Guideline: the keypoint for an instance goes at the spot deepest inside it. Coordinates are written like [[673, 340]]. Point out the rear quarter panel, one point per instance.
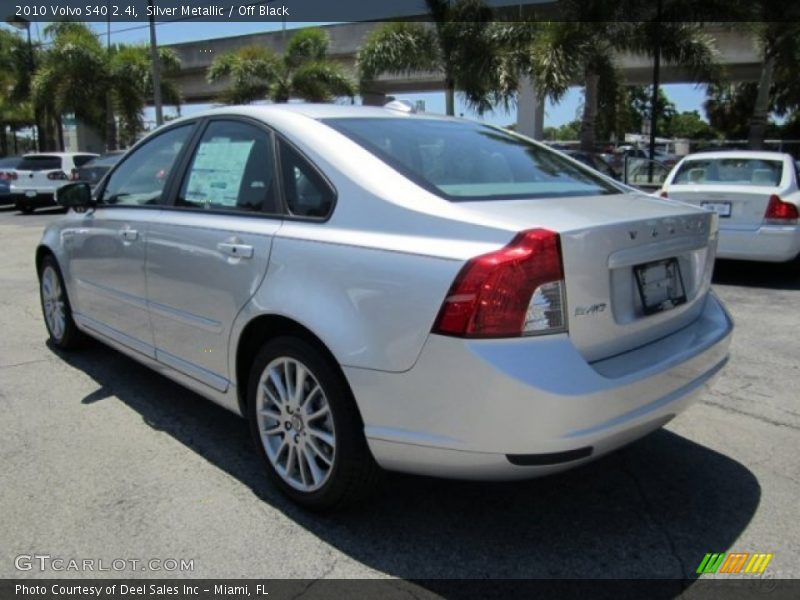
[[372, 307]]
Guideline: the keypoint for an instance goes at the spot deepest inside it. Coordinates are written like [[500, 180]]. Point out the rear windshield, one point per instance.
[[39, 163], [460, 160], [730, 171]]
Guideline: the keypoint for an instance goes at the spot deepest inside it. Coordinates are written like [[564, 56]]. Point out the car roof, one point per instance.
[[314, 111], [754, 154]]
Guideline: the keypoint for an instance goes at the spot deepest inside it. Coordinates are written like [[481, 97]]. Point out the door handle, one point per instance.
[[129, 235], [236, 250]]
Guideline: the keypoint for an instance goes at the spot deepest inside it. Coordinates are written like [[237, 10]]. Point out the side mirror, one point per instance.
[[76, 195]]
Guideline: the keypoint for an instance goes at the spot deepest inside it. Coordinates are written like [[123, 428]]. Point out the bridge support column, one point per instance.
[[530, 110], [373, 98]]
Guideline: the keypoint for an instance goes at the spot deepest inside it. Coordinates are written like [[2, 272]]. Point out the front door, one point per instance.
[[108, 245]]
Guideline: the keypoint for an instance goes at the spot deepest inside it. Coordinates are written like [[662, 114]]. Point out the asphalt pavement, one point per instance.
[[103, 459]]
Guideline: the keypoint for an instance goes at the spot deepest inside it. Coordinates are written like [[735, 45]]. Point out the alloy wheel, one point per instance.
[[295, 424], [53, 302]]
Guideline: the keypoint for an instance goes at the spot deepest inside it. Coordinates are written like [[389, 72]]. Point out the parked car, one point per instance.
[[755, 194], [373, 288], [7, 166], [92, 172], [594, 161], [38, 176]]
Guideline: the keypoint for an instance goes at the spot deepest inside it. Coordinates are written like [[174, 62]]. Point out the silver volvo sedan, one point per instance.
[[374, 289]]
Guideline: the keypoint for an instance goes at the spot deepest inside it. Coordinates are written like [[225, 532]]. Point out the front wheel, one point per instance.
[[56, 308], [306, 427]]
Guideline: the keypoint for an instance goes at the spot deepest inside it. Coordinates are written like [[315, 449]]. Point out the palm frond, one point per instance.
[[307, 45], [251, 71], [398, 49], [321, 81], [689, 46]]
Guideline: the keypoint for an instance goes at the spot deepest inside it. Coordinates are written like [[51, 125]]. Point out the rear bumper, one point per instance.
[[506, 409], [769, 243], [40, 200]]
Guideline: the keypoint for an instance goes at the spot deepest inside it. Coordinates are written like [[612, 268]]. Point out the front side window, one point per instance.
[[140, 179], [232, 169], [461, 160], [729, 171]]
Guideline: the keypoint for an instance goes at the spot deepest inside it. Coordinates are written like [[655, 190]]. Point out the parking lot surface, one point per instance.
[[102, 458]]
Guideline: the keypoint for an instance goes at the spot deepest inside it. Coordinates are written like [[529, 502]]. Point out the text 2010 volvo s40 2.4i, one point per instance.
[[373, 288]]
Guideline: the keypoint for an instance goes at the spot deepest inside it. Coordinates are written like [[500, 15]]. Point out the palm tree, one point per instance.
[[7, 84], [729, 108], [779, 42], [131, 85], [304, 71], [71, 76], [559, 54], [76, 74], [460, 45], [16, 110]]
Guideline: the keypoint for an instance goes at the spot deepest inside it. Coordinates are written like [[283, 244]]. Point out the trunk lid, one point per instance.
[[33, 172], [603, 240], [739, 208]]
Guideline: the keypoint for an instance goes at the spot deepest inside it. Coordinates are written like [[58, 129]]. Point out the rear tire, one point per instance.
[[306, 427], [56, 309], [26, 210]]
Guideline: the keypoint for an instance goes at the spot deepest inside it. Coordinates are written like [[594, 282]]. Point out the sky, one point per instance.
[[686, 97]]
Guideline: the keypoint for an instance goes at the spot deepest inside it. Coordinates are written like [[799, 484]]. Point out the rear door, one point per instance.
[[107, 245], [208, 253], [738, 189]]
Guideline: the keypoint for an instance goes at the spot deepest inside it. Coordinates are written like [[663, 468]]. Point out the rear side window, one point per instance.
[[730, 171], [307, 193], [39, 163], [460, 160]]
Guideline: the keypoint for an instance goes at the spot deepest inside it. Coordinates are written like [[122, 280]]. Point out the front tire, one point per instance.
[[306, 427], [56, 308]]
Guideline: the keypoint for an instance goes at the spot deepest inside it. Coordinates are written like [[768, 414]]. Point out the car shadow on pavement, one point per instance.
[[778, 276], [651, 510]]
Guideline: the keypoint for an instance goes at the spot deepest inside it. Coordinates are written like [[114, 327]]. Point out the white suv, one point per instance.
[[36, 179]]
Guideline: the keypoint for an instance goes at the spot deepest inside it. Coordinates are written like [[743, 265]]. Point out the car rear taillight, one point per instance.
[[57, 175], [8, 175], [73, 175], [664, 194], [515, 291], [780, 212]]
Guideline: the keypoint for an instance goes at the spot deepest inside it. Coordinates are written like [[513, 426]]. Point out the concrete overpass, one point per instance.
[[738, 53]]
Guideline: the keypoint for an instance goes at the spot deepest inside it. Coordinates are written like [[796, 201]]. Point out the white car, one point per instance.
[[372, 288], [755, 194], [36, 179]]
